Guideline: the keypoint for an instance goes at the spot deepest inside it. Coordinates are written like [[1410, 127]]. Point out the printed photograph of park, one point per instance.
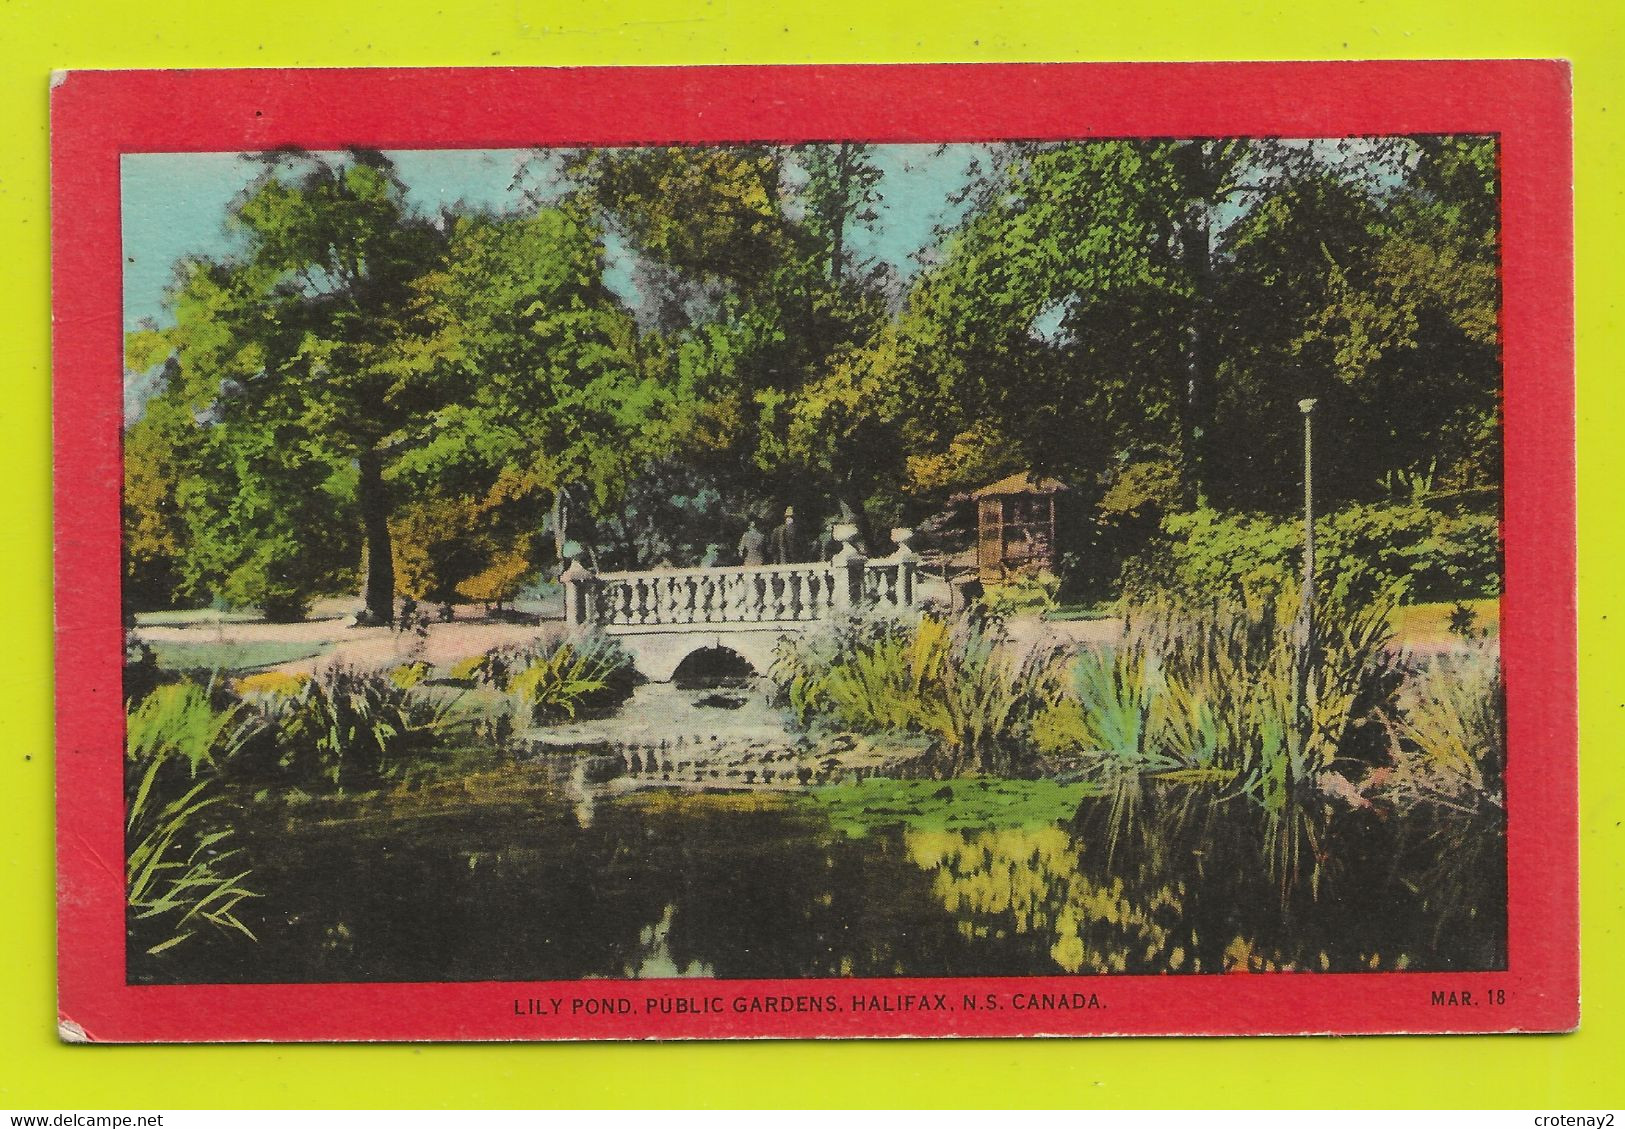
[[813, 560]]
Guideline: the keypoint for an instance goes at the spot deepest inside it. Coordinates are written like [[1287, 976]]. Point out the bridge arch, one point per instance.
[[659, 655], [710, 666]]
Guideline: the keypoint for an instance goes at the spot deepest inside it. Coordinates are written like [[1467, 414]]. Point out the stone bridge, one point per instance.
[[663, 615]]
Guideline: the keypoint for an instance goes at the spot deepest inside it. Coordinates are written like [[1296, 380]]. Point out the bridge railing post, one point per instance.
[[848, 564], [908, 564], [580, 592]]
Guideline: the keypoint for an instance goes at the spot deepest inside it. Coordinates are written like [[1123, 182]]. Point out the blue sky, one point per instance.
[[175, 205]]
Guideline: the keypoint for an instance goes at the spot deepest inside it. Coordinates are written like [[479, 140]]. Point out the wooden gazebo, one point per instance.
[[1016, 530]]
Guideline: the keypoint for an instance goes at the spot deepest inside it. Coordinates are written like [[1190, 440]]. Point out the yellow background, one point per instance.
[[1570, 1072]]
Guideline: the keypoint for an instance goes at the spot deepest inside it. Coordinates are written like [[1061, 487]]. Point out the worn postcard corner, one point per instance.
[[815, 552]]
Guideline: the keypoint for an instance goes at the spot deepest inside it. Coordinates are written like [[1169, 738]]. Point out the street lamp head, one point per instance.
[[1306, 406]]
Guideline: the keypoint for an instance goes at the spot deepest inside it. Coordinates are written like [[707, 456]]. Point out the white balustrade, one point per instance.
[[693, 598]]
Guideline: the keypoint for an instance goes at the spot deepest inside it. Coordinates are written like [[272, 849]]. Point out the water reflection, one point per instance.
[[1032, 881], [1157, 878], [533, 874], [657, 962]]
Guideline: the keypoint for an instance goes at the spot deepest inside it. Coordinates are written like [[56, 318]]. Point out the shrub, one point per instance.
[[286, 605], [1023, 593], [408, 675], [273, 682], [554, 678], [141, 671], [470, 669], [1439, 554]]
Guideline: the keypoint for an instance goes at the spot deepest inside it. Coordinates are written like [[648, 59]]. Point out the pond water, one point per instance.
[[509, 875]]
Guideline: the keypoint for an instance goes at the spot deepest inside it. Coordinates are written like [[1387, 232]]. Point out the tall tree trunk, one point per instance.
[[380, 588]]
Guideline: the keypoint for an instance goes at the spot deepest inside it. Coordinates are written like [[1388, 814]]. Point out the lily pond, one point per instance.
[[922, 798], [525, 871]]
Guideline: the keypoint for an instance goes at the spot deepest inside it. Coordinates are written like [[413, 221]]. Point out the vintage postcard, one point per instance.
[[815, 551]]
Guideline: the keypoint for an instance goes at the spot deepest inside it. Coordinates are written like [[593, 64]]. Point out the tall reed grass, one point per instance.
[[182, 870], [1231, 692], [960, 682], [1449, 733], [352, 728]]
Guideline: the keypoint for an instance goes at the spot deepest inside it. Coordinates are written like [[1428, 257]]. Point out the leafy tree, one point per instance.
[[1138, 317], [270, 519], [749, 277], [1384, 305], [301, 345], [520, 317], [450, 374], [474, 546], [154, 528], [1055, 314]]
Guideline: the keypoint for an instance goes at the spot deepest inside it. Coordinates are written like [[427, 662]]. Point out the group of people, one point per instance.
[[788, 543]]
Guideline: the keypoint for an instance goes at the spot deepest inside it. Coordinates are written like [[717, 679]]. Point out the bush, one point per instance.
[[408, 675], [286, 606], [141, 673], [560, 681], [1437, 553], [474, 668], [1022, 594]]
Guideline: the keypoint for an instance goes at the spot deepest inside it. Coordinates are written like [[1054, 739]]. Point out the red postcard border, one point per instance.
[[99, 115]]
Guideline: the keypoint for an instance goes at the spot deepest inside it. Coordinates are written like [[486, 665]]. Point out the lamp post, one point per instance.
[[1307, 611]]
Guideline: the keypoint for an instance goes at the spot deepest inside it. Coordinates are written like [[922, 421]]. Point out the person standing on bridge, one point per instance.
[[788, 545], [752, 546]]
